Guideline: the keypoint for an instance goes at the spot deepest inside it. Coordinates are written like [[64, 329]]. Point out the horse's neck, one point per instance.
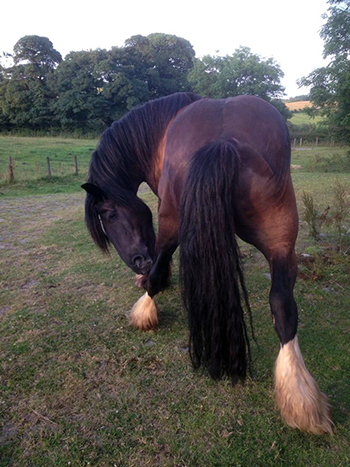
[[155, 170], [154, 173]]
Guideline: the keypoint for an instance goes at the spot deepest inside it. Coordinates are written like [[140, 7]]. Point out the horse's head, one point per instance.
[[126, 223]]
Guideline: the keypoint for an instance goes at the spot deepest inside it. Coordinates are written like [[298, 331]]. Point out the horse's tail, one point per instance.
[[210, 269]]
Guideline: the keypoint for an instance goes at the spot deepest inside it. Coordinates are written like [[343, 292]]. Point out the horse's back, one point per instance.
[[253, 124], [250, 121]]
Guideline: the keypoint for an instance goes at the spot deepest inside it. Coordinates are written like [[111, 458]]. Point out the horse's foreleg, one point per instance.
[[159, 276], [301, 403], [144, 314]]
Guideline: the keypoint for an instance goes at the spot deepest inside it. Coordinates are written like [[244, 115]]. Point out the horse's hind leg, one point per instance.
[[272, 227], [301, 403]]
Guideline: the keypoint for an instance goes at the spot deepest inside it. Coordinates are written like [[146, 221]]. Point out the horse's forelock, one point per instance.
[[93, 224]]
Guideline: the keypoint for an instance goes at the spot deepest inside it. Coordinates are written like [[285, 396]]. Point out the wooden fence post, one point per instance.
[[48, 167], [12, 175], [295, 143], [301, 141], [316, 141], [76, 165]]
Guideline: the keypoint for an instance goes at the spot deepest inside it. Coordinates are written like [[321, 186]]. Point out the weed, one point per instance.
[[38, 172], [336, 162], [335, 215], [341, 211], [312, 217]]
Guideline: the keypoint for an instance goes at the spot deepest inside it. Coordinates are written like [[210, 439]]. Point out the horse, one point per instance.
[[221, 170]]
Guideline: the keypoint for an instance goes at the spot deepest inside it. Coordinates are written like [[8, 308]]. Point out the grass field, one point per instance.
[[30, 164], [301, 118], [79, 387]]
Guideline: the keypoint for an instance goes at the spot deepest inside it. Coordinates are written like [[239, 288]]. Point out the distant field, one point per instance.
[[302, 118], [300, 105], [29, 156]]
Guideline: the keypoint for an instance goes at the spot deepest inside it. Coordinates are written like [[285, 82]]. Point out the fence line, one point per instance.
[[48, 167], [12, 175], [12, 166]]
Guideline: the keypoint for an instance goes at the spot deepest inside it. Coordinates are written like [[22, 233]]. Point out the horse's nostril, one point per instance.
[[137, 260]]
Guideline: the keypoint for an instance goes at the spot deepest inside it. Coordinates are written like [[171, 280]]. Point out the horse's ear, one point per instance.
[[95, 191]]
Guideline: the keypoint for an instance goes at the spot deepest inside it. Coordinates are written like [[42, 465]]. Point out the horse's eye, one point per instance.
[[113, 216]]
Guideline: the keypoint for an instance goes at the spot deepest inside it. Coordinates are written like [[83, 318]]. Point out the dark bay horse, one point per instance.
[[220, 168]]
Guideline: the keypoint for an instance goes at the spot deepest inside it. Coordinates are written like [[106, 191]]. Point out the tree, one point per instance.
[[38, 52], [26, 93], [330, 85], [80, 104], [5, 123], [237, 74], [241, 73], [97, 87], [162, 62]]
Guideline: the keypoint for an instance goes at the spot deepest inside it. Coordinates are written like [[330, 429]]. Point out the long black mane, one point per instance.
[[123, 156]]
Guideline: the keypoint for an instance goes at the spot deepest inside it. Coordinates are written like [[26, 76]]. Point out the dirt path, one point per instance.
[[20, 218], [23, 257]]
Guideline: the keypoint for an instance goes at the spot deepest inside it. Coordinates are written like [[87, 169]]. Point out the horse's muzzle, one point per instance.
[[141, 265]]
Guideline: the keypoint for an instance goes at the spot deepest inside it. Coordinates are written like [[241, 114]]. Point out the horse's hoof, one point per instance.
[[144, 314], [299, 399]]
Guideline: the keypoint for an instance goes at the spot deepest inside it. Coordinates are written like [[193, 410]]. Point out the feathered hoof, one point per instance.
[[144, 314], [299, 399]]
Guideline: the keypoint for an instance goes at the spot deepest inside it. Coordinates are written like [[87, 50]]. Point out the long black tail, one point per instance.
[[210, 269]]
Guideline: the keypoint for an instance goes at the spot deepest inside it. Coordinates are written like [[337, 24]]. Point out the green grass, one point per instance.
[[318, 160], [29, 157], [302, 118], [79, 387]]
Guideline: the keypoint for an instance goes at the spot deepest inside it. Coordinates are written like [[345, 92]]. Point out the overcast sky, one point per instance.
[[288, 31]]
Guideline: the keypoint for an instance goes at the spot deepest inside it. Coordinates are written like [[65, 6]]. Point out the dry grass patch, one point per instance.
[[299, 105]]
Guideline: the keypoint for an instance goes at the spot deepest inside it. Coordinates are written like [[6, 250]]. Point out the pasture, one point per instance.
[[301, 118], [79, 387]]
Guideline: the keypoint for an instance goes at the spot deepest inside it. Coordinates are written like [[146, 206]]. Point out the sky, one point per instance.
[[287, 31]]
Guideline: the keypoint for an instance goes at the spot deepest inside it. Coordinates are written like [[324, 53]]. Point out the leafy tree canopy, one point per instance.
[[240, 73], [164, 61], [37, 51], [26, 94], [330, 85]]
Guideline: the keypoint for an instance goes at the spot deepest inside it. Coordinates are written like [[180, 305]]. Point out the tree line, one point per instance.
[[87, 90], [330, 85]]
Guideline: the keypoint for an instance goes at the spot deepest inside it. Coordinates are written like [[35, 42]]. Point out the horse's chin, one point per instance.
[[143, 271]]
